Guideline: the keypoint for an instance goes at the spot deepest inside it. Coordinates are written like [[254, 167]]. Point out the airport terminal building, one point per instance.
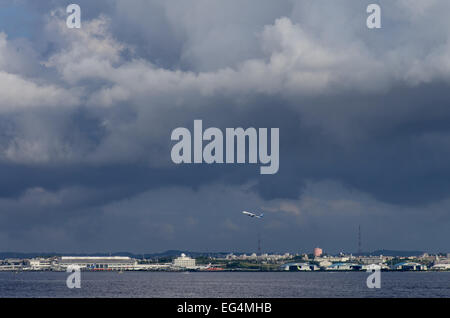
[[98, 262]]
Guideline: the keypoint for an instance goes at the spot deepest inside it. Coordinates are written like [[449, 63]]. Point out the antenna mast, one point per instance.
[[359, 240]]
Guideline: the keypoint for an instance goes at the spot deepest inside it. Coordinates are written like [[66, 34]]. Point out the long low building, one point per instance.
[[410, 266], [344, 267], [98, 262], [295, 267], [441, 267]]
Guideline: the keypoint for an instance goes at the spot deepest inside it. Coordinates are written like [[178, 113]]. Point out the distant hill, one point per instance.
[[174, 253]]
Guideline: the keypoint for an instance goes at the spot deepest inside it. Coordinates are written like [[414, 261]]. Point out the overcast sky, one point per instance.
[[86, 117]]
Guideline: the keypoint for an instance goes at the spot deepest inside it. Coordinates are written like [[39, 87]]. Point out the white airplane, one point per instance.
[[253, 215]]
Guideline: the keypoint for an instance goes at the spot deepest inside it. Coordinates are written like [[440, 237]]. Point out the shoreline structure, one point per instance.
[[231, 262]]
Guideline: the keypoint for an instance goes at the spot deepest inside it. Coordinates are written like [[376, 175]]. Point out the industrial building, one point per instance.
[[441, 267], [410, 266], [294, 267], [344, 267]]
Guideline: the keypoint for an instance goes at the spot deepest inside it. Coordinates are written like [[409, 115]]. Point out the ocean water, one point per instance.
[[225, 284]]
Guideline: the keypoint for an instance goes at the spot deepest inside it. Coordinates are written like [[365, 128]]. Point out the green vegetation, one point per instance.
[[299, 258], [165, 259], [394, 261], [250, 265], [202, 260]]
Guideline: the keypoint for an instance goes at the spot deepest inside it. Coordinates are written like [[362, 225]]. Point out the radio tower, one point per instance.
[[259, 243], [359, 240]]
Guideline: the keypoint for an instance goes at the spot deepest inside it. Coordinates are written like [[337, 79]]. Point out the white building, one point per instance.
[[99, 262], [374, 267], [325, 263], [441, 267], [184, 261], [367, 260], [340, 259], [40, 264]]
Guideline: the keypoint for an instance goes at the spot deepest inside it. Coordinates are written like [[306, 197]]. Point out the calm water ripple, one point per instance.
[[225, 284]]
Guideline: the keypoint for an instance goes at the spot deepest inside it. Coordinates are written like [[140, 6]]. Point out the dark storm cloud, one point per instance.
[[86, 117]]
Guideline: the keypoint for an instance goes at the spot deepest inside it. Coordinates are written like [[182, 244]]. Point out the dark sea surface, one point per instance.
[[225, 284]]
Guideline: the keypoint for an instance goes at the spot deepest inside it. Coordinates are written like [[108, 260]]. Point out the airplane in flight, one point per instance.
[[253, 215]]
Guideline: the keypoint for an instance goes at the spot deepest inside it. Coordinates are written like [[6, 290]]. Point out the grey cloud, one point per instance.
[[327, 214], [93, 109]]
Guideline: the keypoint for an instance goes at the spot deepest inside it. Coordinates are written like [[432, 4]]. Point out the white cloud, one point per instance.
[[18, 92]]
